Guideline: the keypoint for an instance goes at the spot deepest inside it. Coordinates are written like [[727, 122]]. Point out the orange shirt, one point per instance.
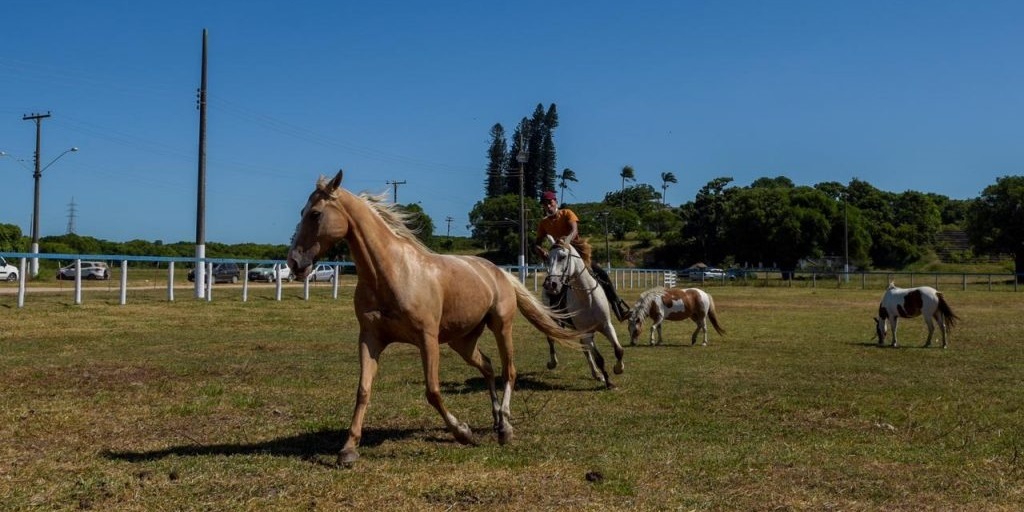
[[558, 225]]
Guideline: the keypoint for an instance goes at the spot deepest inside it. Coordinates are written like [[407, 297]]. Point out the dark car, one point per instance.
[[222, 273]]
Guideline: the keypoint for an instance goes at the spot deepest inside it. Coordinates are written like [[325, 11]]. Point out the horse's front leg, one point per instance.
[[430, 352], [369, 353], [654, 327], [590, 352], [552, 357], [931, 330], [895, 325]]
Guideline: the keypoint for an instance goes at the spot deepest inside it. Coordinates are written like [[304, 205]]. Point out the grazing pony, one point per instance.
[[910, 302], [673, 304], [585, 304], [406, 293]]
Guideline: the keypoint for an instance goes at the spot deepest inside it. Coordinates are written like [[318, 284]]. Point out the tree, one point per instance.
[[418, 222], [10, 238], [703, 230], [639, 198], [627, 174], [567, 175], [666, 178], [995, 221], [497, 163]]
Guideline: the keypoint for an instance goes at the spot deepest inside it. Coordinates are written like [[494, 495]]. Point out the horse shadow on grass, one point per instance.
[[311, 446], [324, 444]]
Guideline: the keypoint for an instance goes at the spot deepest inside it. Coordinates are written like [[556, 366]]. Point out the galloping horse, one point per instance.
[[910, 302], [673, 304], [586, 305], [406, 293]]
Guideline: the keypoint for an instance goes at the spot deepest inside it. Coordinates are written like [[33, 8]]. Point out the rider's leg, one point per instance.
[[618, 305]]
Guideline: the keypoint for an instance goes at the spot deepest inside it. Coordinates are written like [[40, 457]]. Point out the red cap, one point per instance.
[[548, 196]]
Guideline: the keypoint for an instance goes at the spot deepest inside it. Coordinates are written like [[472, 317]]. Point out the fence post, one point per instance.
[[124, 282], [170, 281], [21, 284]]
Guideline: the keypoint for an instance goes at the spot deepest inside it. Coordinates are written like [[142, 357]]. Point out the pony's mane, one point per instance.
[[643, 304], [395, 218]]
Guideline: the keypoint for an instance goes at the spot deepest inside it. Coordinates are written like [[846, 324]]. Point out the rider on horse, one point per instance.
[[563, 224]]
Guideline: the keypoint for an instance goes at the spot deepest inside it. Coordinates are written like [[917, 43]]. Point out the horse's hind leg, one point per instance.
[[552, 357], [931, 331], [470, 352], [430, 353]]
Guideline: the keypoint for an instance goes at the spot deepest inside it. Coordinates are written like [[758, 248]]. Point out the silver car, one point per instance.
[[90, 270]]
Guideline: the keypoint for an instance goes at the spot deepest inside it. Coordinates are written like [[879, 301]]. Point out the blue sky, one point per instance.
[[912, 95]]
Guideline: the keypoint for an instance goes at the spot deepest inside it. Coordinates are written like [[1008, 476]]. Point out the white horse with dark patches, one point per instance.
[[911, 302], [661, 304]]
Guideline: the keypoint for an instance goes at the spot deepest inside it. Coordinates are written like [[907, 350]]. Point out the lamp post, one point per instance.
[[38, 173], [522, 157], [846, 240], [607, 249]]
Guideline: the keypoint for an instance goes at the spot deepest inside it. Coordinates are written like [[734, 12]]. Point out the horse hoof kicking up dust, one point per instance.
[[406, 293], [660, 304], [911, 302]]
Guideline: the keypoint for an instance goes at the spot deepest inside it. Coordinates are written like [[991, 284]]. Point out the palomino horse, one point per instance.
[[910, 302], [673, 304], [406, 293], [586, 305]]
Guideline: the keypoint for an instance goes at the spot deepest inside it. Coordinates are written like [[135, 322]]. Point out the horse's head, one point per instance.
[[323, 223], [635, 324], [563, 265]]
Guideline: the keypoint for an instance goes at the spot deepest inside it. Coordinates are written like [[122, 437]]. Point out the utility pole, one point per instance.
[[395, 185], [71, 217], [38, 118], [200, 273], [449, 220]]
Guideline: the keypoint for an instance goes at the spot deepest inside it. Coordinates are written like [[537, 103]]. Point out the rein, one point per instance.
[[569, 283]]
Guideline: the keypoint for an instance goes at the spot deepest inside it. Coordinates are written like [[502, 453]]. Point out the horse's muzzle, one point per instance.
[[552, 286], [300, 262]]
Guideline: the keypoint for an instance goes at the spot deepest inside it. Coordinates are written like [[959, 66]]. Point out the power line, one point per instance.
[[395, 185]]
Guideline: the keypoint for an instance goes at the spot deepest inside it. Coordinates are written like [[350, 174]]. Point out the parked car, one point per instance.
[[7, 272], [90, 270], [266, 273], [322, 272], [706, 274], [222, 273], [741, 274]]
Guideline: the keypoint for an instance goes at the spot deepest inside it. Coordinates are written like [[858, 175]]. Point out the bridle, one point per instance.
[[569, 282]]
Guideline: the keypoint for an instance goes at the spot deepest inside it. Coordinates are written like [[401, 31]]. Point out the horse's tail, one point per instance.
[[542, 317], [947, 312], [714, 317]]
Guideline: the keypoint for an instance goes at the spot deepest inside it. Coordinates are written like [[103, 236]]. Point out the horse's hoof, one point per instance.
[[348, 457], [609, 385], [463, 434], [505, 435], [552, 365], [619, 368]]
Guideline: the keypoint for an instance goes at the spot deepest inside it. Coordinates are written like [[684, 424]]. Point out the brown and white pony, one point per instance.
[[405, 293], [910, 302], [675, 304], [586, 306]]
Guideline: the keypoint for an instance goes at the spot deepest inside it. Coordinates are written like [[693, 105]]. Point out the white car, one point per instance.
[[322, 272], [266, 273], [706, 274], [90, 270], [7, 272]]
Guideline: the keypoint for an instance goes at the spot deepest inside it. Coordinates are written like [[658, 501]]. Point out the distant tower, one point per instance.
[[71, 217]]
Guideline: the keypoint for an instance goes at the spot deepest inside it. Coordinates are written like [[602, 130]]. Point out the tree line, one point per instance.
[[772, 222]]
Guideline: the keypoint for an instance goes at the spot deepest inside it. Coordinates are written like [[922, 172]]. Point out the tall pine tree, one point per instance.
[[497, 163]]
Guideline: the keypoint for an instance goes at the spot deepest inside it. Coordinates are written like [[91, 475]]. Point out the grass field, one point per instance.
[[232, 405]]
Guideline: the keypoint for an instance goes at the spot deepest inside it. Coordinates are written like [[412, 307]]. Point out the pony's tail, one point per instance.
[[947, 312], [714, 317], [542, 317]]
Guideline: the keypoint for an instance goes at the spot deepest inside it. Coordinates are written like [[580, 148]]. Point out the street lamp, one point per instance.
[[607, 249], [846, 238], [38, 173], [522, 157]]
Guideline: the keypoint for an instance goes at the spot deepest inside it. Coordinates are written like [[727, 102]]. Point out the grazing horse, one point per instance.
[[673, 304], [586, 306], [406, 293], [910, 302]]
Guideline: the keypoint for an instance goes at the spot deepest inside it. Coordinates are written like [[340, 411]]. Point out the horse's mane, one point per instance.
[[643, 304], [395, 218]]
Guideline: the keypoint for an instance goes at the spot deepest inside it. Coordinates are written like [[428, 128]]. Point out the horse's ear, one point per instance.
[[336, 182]]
